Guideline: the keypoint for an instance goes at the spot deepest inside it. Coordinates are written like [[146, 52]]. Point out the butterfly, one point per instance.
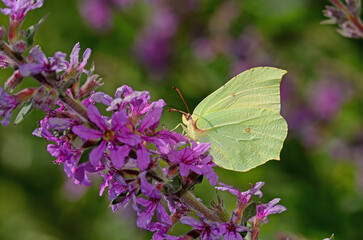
[[241, 120]]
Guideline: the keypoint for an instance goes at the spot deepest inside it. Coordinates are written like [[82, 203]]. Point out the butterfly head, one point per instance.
[[191, 127]]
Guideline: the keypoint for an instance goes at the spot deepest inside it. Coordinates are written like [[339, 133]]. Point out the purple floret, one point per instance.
[[40, 63], [7, 104]]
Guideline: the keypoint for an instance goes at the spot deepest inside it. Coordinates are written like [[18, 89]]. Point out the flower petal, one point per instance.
[[118, 155], [87, 133], [96, 117], [143, 158], [74, 55], [153, 115], [96, 154]]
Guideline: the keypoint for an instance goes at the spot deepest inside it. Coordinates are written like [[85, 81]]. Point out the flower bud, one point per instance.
[[51, 99], [13, 81], [90, 85], [40, 97], [20, 46]]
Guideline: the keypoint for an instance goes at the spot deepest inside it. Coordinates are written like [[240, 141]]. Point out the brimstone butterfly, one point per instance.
[[242, 120]]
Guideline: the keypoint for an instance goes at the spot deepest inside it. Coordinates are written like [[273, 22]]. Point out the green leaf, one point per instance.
[[32, 30], [249, 212], [119, 198], [24, 112]]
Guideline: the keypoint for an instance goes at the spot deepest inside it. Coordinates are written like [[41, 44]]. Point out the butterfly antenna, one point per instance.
[[173, 109], [181, 96]]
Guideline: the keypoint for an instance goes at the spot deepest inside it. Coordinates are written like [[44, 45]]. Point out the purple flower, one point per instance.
[[165, 140], [161, 229], [7, 104], [230, 230], [109, 134], [326, 98], [154, 44], [142, 119], [97, 14], [263, 210], [74, 67], [194, 159], [208, 230], [243, 198], [151, 205], [69, 156], [133, 101], [40, 63], [119, 190], [17, 9]]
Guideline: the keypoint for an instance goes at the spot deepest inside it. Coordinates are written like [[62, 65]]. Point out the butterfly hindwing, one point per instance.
[[241, 140]]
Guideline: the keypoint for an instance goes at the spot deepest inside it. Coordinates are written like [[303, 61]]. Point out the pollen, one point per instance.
[[108, 135]]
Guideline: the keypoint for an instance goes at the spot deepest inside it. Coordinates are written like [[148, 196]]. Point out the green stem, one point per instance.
[[189, 199]]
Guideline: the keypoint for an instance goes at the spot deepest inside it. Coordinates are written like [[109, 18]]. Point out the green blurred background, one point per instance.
[[199, 46]]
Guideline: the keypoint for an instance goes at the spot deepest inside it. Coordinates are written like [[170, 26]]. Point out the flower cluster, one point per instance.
[[141, 164], [347, 16], [145, 166]]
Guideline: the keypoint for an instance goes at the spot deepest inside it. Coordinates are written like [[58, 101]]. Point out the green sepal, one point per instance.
[[32, 30], [119, 198], [24, 112], [173, 186], [249, 212]]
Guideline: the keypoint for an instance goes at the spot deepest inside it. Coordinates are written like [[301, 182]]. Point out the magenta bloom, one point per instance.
[[194, 159], [231, 231], [97, 13], [109, 133], [119, 190], [17, 9], [7, 104], [208, 230], [150, 205], [263, 210], [243, 198], [154, 44], [327, 97]]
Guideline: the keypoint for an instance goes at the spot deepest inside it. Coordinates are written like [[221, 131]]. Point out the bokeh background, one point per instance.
[[197, 45]]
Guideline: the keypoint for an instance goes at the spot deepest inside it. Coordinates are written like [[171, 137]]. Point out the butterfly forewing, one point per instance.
[[257, 87]]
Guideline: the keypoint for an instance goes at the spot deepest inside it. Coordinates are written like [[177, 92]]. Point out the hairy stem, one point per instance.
[[353, 18], [190, 200]]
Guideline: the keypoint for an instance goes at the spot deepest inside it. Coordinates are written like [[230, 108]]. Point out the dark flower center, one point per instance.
[[108, 135]]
